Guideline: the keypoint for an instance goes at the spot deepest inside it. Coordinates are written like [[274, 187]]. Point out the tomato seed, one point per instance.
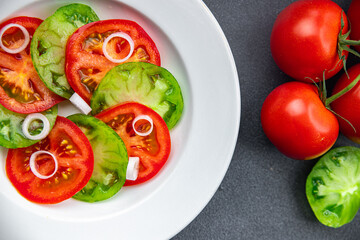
[[65, 176]]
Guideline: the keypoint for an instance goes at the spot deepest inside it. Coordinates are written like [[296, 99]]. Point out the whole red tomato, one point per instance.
[[348, 105], [354, 18], [297, 122], [304, 39]]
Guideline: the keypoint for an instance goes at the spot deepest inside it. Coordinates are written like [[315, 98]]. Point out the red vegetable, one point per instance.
[[86, 64], [297, 122], [348, 105], [305, 37], [354, 19], [153, 150], [21, 89], [75, 159]]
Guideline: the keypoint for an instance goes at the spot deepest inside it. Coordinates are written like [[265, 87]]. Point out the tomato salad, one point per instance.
[[111, 71]]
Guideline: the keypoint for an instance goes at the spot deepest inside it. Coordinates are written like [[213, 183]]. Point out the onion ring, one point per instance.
[[34, 168], [23, 46], [122, 35], [143, 117], [44, 132]]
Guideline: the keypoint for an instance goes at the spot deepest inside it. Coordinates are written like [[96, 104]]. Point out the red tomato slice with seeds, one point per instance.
[[153, 150], [86, 63], [21, 89], [75, 165]]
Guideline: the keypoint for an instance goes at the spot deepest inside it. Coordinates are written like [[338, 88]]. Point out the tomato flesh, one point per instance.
[[21, 89], [304, 39], [49, 44], [75, 159], [153, 149], [295, 120], [86, 63]]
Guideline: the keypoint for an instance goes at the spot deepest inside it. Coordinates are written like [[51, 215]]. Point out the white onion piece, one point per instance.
[[80, 103], [36, 116], [143, 117], [33, 165], [122, 35], [132, 170], [23, 46]]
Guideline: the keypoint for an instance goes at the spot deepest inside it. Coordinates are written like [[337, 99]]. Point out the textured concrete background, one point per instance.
[[263, 193]]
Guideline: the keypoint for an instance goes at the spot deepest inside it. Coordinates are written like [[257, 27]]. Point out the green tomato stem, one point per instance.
[[342, 92], [350, 42]]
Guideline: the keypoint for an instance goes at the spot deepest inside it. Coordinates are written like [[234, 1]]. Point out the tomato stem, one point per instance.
[[344, 43], [342, 92], [352, 126], [350, 42]]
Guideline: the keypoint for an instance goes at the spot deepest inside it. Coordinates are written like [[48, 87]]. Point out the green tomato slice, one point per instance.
[[144, 83], [11, 134], [332, 187], [110, 159], [48, 45]]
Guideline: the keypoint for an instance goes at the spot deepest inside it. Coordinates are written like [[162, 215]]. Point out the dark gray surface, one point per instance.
[[263, 193]]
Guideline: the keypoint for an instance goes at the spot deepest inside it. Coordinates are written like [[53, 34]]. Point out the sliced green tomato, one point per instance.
[[110, 159], [11, 134], [48, 45], [144, 83], [333, 186]]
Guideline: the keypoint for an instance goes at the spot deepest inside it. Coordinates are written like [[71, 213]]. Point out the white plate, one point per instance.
[[193, 47]]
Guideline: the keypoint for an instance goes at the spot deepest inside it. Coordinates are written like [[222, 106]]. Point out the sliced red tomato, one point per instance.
[[86, 63], [75, 165], [21, 89], [153, 150]]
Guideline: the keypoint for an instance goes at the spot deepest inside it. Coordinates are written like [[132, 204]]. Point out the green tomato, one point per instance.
[[144, 83], [11, 134], [48, 45], [332, 187], [110, 159]]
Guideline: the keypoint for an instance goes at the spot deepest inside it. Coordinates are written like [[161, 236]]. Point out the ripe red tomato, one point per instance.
[[75, 159], [304, 39], [348, 105], [21, 89], [86, 64], [296, 121], [153, 150], [354, 19]]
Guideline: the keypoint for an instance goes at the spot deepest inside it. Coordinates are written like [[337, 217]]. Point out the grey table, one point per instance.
[[263, 193]]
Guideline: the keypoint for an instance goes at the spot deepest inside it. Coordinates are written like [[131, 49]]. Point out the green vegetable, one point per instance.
[[144, 83], [48, 45], [110, 159], [332, 188], [11, 134]]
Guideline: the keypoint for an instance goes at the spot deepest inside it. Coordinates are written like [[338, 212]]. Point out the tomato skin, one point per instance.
[[78, 166], [22, 67], [348, 105], [80, 55], [354, 19], [297, 123], [153, 150], [304, 39]]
